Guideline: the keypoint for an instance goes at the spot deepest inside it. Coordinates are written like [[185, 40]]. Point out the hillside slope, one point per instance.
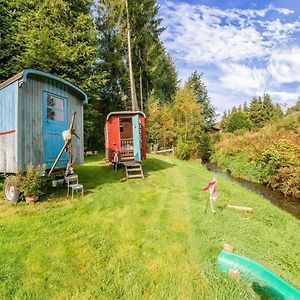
[[270, 155], [142, 238]]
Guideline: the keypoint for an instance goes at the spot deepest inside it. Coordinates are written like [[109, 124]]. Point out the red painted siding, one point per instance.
[[112, 138]]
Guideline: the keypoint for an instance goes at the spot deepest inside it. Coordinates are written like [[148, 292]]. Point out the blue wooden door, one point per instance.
[[55, 122], [136, 138]]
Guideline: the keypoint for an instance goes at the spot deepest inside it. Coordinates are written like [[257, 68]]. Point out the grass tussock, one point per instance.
[[136, 239]]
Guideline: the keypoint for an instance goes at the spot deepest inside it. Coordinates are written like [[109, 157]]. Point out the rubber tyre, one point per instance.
[[11, 190]]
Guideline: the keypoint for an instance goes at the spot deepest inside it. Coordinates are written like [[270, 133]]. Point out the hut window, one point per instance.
[[50, 101], [55, 109], [50, 113], [60, 104]]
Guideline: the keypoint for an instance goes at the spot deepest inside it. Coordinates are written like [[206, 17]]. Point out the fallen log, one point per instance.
[[241, 208]]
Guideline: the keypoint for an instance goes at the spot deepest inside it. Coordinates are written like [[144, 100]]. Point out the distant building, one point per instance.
[[215, 129]]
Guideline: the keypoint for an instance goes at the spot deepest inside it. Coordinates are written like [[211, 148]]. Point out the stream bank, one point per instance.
[[289, 204]]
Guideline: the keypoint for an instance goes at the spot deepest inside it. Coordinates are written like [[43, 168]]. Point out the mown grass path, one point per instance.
[[138, 239]]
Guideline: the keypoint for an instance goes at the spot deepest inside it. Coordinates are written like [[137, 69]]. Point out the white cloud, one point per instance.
[[198, 33], [285, 99], [198, 36], [249, 52], [284, 65], [250, 81], [278, 31]]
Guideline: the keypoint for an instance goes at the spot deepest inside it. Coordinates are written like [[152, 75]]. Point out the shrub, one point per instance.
[[270, 155], [31, 183], [204, 147], [290, 122], [160, 124], [182, 150]]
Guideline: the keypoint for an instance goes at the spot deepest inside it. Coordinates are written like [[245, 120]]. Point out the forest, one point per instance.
[[85, 42]]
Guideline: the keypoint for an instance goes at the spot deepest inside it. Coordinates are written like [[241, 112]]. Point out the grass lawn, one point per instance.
[[141, 238]]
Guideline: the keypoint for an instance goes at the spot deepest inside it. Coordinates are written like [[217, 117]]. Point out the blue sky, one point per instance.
[[243, 48]]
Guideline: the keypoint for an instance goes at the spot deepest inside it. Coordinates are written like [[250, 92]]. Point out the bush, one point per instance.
[[181, 124], [204, 147], [290, 122], [32, 182], [270, 155], [182, 150]]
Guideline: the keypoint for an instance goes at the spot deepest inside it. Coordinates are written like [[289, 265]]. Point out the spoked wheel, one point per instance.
[[11, 191]]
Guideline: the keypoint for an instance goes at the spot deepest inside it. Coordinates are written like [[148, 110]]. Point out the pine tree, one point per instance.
[[256, 113], [262, 110], [154, 72], [10, 12], [111, 56], [162, 77], [58, 36], [267, 108], [238, 120]]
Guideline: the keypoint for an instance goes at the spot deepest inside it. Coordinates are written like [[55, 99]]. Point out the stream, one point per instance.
[[289, 204]]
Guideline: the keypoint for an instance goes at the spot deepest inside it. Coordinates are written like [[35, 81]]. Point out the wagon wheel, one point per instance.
[[11, 190]]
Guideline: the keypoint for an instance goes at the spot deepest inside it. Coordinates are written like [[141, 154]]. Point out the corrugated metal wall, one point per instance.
[[8, 96], [30, 119]]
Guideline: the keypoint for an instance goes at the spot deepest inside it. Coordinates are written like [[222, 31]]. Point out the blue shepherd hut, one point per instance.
[[35, 108]]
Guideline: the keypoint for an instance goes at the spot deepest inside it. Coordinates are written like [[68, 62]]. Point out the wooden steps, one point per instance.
[[127, 158], [133, 169]]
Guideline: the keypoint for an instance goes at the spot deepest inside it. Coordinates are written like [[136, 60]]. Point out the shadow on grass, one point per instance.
[[96, 173], [92, 177], [154, 165]]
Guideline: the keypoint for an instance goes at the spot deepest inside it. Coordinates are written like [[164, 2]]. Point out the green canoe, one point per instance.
[[262, 280]]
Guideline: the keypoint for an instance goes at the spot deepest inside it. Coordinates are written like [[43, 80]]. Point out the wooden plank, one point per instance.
[[30, 123], [7, 128], [131, 163], [240, 208], [135, 176], [134, 169], [165, 151], [7, 153]]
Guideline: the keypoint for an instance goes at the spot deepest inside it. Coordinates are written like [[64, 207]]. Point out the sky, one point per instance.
[[243, 48]]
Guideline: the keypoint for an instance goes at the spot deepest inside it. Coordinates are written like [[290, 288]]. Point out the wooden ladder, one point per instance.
[[133, 170]]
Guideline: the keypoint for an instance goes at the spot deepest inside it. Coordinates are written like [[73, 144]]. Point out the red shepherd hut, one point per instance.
[[125, 137]]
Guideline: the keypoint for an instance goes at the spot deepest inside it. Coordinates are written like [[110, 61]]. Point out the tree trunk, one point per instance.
[[134, 103], [141, 90]]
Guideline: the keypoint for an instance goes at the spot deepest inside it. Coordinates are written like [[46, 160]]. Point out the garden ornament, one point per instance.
[[211, 187]]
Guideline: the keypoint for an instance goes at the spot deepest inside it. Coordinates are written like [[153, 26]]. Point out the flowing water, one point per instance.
[[289, 204]]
